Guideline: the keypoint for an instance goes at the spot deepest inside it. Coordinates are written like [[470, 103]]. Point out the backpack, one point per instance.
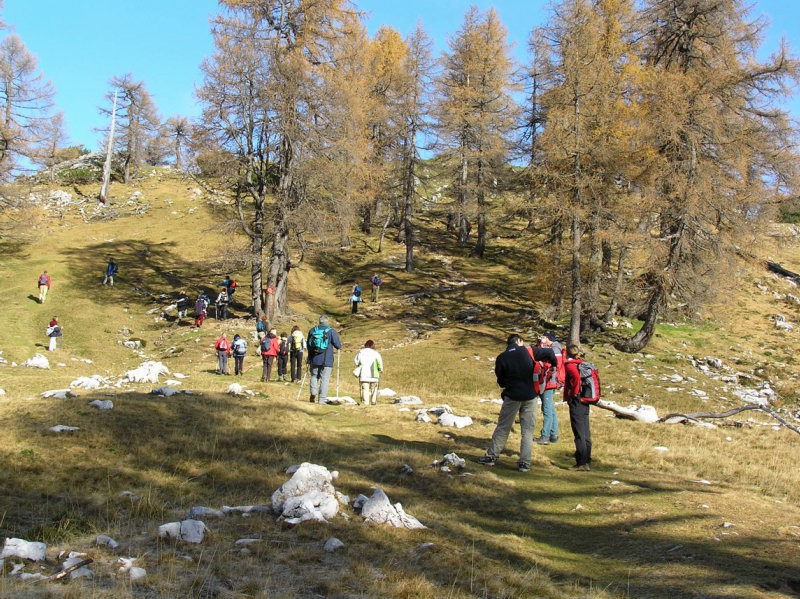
[[318, 339], [239, 347], [283, 348], [376, 280], [232, 284], [42, 279], [357, 291], [296, 341], [590, 383]]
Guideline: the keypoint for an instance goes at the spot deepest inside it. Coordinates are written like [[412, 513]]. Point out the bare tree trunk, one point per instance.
[[577, 288], [480, 242], [612, 307], [383, 232], [109, 154], [463, 233], [409, 189], [557, 296]]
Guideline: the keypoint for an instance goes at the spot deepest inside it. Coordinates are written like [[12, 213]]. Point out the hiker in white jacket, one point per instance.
[[369, 366]]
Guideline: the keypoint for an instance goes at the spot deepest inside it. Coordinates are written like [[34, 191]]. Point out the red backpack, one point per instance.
[[590, 383]]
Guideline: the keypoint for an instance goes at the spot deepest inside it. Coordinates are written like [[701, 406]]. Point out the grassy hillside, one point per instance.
[[715, 515]]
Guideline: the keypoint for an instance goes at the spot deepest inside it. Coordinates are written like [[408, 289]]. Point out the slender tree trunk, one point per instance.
[[480, 243], [577, 288], [557, 296], [463, 233], [409, 189], [612, 307]]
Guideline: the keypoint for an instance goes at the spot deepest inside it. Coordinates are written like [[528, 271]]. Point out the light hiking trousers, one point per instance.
[[369, 393], [43, 293], [549, 415], [527, 420], [320, 378]]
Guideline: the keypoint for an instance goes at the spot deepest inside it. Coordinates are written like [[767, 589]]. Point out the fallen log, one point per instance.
[[677, 417], [780, 270], [63, 573]]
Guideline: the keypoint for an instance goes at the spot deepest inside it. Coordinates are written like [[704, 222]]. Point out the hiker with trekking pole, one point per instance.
[[321, 341], [369, 366]]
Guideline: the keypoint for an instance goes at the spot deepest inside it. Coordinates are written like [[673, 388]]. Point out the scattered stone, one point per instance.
[[728, 525], [378, 509], [456, 421], [129, 495], [173, 383], [89, 382], [699, 393], [408, 400], [497, 401], [386, 392], [247, 510], [359, 502], [62, 428], [406, 469], [147, 372], [308, 495], [37, 361], [135, 573], [2, 391], [449, 461], [332, 544], [32, 550], [73, 559], [191, 531], [422, 416], [702, 481], [715, 363], [578, 508], [178, 375], [339, 401], [439, 410], [106, 541], [59, 394], [245, 542], [200, 511], [131, 343], [102, 404], [169, 391], [235, 389], [660, 448]]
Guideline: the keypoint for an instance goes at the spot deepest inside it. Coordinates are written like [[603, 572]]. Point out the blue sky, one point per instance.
[[82, 44]]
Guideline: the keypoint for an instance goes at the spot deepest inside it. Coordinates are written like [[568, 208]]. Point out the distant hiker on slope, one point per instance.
[[43, 282], [355, 297], [262, 326], [53, 331], [223, 299], [514, 371], [321, 341], [269, 351], [200, 307], [369, 366], [223, 348], [111, 270], [376, 282], [239, 349], [297, 346]]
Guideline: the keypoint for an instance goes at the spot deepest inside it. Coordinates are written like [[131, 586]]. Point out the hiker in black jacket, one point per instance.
[[514, 371]]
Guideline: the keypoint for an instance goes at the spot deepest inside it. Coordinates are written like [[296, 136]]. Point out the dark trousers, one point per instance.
[[238, 364], [267, 372], [222, 311], [283, 360], [355, 308], [296, 361], [579, 420]]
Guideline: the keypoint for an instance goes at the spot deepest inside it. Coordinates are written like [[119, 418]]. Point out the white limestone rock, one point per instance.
[[201, 511], [235, 389], [450, 460], [339, 401], [246, 510], [73, 559], [378, 509], [439, 410], [408, 400], [307, 478], [89, 382], [332, 544], [169, 391], [32, 550], [317, 506], [422, 416], [106, 541], [497, 401], [135, 573], [37, 361], [147, 372], [59, 394], [173, 383], [386, 392], [102, 404], [456, 421], [190, 531], [62, 428]]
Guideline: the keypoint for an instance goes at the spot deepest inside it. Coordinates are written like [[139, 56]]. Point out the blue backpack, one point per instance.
[[318, 339]]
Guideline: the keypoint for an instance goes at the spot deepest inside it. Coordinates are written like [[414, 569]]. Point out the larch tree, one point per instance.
[[178, 130], [137, 122], [412, 126], [588, 142], [26, 104], [722, 149], [264, 103], [476, 116]]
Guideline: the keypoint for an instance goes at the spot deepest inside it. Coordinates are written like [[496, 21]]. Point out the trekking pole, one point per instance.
[[338, 363], [303, 382]]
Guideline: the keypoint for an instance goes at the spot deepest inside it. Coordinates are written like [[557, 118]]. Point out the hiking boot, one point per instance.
[[523, 466], [582, 468], [312, 398], [487, 460], [553, 438], [543, 440]]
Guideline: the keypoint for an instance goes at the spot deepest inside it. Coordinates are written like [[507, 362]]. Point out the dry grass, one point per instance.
[[644, 528]]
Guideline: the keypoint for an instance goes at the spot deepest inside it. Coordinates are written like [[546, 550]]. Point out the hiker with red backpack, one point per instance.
[[283, 356], [581, 390], [547, 379], [223, 348], [43, 282], [270, 346]]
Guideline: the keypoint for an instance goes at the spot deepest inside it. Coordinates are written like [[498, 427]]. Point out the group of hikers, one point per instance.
[[526, 373], [355, 294], [290, 349]]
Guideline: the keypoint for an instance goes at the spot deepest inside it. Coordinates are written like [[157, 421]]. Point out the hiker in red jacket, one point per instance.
[[578, 410], [44, 281], [269, 351]]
